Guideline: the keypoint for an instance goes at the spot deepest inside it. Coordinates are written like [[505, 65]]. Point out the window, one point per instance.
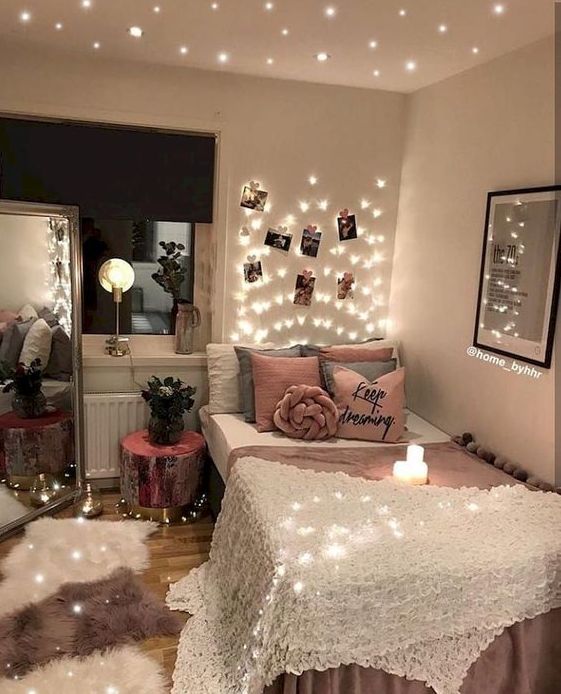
[[146, 308]]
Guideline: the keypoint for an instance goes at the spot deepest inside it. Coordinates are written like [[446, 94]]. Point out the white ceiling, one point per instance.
[[252, 36]]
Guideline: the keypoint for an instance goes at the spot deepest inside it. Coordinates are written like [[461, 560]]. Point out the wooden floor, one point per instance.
[[174, 551]]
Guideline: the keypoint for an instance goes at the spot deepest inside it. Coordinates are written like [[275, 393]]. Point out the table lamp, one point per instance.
[[116, 276]]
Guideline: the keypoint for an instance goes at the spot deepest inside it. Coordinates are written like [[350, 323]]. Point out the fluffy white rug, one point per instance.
[[123, 671], [54, 552], [10, 508]]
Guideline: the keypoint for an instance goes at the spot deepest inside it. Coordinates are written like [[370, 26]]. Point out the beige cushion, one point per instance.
[[37, 344], [26, 313], [225, 396]]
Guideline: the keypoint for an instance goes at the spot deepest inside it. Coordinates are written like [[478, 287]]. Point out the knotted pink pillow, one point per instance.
[[306, 412]]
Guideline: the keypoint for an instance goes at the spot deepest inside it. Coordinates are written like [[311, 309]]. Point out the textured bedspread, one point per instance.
[[314, 571]]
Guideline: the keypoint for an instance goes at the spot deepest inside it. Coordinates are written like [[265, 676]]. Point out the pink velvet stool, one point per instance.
[[158, 482], [32, 446]]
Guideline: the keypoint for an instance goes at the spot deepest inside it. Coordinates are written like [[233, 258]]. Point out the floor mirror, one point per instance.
[[41, 419]]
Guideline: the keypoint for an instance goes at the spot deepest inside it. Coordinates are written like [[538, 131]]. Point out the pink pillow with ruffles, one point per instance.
[[370, 411], [308, 413], [272, 376]]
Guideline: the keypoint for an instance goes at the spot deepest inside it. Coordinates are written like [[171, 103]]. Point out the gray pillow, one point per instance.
[[370, 370], [247, 386], [314, 350], [48, 316], [59, 367], [12, 343]]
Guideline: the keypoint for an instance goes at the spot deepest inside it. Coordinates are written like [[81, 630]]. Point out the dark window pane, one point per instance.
[[146, 308]]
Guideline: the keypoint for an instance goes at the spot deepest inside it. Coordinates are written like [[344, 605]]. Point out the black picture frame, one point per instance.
[[555, 285]]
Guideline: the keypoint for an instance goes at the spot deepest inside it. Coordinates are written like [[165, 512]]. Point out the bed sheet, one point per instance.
[[225, 433]]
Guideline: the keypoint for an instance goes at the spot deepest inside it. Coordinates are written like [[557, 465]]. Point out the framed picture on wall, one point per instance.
[[520, 274]]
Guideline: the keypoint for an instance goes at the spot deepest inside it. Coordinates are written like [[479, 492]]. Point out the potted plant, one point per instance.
[[168, 401], [171, 275], [29, 400]]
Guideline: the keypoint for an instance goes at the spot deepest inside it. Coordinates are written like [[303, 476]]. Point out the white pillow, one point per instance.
[[26, 313], [225, 395], [37, 344]]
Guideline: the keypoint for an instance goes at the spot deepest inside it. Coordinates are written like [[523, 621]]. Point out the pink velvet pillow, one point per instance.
[[308, 413], [350, 353], [272, 376], [370, 411]]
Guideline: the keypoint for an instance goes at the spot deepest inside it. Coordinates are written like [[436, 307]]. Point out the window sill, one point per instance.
[[146, 350]]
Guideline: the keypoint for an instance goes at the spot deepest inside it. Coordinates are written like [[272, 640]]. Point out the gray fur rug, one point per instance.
[[80, 619]]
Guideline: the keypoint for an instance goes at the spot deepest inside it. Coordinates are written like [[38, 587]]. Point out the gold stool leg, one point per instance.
[[170, 514]]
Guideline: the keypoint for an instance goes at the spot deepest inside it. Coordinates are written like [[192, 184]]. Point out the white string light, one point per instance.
[[58, 244], [261, 309]]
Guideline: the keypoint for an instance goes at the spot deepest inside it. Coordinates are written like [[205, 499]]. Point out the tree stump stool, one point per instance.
[[159, 482], [34, 446]]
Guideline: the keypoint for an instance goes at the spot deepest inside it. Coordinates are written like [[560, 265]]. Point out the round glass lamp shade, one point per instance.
[[116, 274]]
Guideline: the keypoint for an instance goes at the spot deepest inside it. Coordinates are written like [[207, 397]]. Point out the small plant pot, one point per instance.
[[29, 406], [164, 432]]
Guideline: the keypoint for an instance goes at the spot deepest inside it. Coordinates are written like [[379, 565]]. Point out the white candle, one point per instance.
[[415, 473], [415, 454]]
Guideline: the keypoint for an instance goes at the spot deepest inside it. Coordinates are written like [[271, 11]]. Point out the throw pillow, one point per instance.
[[48, 316], [7, 316], [308, 413], [272, 376], [59, 367], [224, 378], [370, 370], [12, 343], [370, 411], [37, 344], [246, 374], [26, 313]]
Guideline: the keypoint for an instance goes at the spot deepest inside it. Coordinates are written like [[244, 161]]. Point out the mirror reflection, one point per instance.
[[37, 451]]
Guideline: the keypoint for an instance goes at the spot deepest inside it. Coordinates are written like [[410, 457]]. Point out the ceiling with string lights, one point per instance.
[[400, 45]]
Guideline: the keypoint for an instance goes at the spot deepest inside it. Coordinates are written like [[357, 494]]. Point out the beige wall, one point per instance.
[[488, 129], [274, 132], [25, 266]]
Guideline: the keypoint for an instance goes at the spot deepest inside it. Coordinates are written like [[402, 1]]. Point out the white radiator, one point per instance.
[[108, 417]]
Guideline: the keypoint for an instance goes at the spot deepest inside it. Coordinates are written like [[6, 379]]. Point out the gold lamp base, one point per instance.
[[170, 514], [117, 346]]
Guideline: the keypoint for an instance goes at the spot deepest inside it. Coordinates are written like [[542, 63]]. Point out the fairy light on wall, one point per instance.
[[265, 309], [61, 287]]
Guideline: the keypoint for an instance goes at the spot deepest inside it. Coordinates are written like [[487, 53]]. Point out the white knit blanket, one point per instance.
[[315, 570]]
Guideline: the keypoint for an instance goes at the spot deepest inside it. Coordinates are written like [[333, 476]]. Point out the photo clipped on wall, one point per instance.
[[347, 228], [253, 272], [253, 198], [305, 284], [279, 239], [311, 239], [346, 286]]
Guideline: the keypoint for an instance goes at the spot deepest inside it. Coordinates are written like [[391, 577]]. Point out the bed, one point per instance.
[[524, 657], [326, 576], [277, 612]]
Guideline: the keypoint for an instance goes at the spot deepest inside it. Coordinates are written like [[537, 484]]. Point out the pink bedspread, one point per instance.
[[525, 659], [450, 465]]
